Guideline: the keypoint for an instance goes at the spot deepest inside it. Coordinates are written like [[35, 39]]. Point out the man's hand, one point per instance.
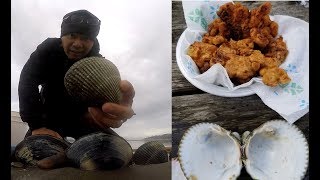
[[44, 130], [111, 114]]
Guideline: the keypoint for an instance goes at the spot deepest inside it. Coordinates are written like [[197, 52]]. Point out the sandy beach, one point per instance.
[[154, 172], [19, 128]]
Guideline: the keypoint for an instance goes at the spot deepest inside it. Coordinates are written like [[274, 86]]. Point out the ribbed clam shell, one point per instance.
[[207, 151], [276, 150], [94, 81], [100, 151], [37, 147], [152, 152]]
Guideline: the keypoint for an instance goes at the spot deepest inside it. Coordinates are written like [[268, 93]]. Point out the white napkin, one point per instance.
[[291, 101]]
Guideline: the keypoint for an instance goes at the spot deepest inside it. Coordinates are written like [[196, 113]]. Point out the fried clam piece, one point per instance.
[[262, 29], [243, 68], [269, 28], [215, 40], [259, 38], [243, 47], [205, 67], [245, 43], [277, 49], [223, 54], [274, 28], [270, 62], [259, 17], [269, 32], [218, 27], [263, 36], [201, 53], [274, 76], [236, 16]]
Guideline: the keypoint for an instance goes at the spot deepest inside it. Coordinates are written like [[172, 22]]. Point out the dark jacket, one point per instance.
[[51, 107]]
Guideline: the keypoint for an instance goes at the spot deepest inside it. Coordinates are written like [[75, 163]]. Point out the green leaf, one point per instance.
[[198, 12], [196, 19], [204, 24]]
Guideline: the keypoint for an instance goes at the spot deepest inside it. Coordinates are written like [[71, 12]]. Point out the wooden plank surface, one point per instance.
[[236, 114], [191, 105]]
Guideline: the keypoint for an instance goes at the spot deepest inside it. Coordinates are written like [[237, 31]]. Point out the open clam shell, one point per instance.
[[37, 147], [152, 152], [100, 151], [94, 81], [207, 151], [276, 150]]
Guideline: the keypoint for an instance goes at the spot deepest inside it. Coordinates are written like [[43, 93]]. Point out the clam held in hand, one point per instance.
[[93, 81]]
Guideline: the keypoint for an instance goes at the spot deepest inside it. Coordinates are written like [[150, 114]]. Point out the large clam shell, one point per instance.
[[94, 81], [207, 151], [100, 151], [37, 147], [276, 150], [152, 152]]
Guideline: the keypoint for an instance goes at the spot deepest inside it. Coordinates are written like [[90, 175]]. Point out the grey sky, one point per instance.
[[135, 35]]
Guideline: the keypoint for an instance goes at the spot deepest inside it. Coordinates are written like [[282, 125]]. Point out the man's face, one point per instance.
[[76, 46]]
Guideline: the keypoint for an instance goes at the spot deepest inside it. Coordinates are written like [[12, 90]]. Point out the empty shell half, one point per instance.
[[93, 81], [276, 150], [207, 151]]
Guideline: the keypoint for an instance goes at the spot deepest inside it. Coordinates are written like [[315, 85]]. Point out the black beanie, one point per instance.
[[82, 22]]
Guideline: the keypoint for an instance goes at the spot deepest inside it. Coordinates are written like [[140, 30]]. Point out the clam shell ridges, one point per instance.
[[93, 80], [194, 130], [152, 152], [100, 149], [37, 147], [296, 136]]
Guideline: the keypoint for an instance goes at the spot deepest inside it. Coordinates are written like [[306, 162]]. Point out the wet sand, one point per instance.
[[154, 172]]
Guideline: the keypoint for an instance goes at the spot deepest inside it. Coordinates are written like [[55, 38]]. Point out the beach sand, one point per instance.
[[19, 128], [154, 172]]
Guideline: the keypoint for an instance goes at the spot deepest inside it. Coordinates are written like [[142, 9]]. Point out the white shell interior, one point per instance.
[[276, 150], [207, 151]]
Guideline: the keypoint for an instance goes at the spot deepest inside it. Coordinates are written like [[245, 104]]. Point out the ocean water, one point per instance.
[[19, 129], [135, 144]]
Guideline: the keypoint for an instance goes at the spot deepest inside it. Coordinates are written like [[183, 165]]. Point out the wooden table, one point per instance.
[[191, 105]]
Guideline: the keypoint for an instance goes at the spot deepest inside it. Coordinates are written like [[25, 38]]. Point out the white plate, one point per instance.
[[190, 70]]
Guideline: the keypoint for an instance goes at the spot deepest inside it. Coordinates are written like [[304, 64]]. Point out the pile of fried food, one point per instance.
[[245, 43]]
